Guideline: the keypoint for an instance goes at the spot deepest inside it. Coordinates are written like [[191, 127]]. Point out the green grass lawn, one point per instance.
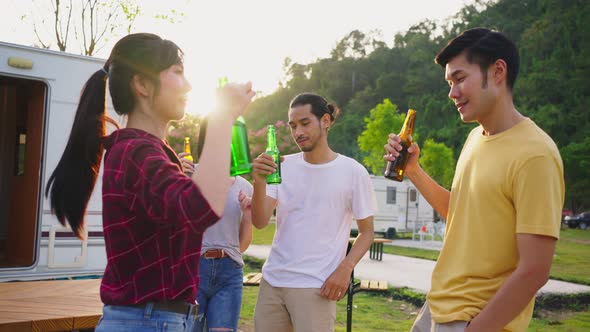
[[410, 252], [380, 313], [370, 313], [265, 235], [570, 263], [562, 322], [572, 256]]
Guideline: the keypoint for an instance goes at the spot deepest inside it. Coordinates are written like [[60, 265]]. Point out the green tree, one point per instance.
[[437, 160], [357, 44], [92, 22], [351, 124], [553, 86], [577, 174], [383, 120]]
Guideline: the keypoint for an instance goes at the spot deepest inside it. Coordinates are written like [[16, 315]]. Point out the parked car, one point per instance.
[[581, 220]]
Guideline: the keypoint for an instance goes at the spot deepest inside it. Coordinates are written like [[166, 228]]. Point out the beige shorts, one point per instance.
[[293, 309], [424, 323]]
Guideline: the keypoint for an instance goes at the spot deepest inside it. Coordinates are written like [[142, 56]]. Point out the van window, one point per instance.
[[391, 193], [413, 195]]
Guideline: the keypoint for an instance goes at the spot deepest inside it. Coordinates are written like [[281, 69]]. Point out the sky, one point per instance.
[[248, 40]]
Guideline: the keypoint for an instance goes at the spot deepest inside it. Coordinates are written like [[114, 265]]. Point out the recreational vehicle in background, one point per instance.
[[39, 92], [401, 208]]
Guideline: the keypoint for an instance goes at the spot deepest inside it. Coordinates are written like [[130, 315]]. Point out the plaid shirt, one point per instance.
[[154, 217]]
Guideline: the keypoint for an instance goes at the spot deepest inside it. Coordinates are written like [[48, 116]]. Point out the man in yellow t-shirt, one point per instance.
[[504, 208]]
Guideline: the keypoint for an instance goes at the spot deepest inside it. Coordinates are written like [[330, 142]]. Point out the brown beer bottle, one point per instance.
[[187, 148], [395, 169]]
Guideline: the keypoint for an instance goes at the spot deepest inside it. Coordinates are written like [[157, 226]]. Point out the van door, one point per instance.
[[412, 208], [22, 116]]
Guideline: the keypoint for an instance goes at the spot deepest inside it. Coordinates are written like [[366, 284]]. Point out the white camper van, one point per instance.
[[401, 207], [39, 92]]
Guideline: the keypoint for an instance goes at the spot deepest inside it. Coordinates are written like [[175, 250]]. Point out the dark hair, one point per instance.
[[73, 180], [484, 47], [319, 105]]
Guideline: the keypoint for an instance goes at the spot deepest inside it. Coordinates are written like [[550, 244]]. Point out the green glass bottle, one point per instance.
[[240, 151], [241, 162], [273, 150]]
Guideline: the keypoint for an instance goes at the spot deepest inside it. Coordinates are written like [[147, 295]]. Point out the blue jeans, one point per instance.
[[127, 319], [220, 294]]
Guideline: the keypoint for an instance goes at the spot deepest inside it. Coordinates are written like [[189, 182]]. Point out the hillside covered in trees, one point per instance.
[[553, 87]]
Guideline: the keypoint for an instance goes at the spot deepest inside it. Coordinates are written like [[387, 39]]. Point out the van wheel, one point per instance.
[[583, 225], [391, 233]]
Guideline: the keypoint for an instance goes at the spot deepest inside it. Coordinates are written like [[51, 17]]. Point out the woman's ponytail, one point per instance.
[[71, 184]]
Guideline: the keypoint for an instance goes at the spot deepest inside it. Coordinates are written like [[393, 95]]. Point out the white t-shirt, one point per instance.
[[316, 205], [225, 234]]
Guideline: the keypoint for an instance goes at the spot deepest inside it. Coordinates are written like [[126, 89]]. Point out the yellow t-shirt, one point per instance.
[[504, 184]]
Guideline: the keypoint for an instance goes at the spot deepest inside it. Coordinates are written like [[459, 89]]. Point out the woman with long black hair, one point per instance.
[[154, 215]]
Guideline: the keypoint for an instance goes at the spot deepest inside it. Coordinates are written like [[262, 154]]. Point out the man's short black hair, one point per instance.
[[483, 46]]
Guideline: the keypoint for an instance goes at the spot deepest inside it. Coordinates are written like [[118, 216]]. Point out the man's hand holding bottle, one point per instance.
[[263, 166], [393, 147]]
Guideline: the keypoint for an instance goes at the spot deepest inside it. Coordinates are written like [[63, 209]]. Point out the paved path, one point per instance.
[[415, 273]]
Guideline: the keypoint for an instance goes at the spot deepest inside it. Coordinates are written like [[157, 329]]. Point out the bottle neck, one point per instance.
[[408, 127], [271, 140], [187, 145]]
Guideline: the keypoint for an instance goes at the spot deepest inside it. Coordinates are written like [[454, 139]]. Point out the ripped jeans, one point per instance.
[[219, 296]]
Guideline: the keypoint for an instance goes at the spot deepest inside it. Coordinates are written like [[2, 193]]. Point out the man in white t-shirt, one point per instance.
[[321, 192]]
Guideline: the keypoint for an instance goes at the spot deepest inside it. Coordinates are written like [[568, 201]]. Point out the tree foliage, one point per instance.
[[553, 87], [383, 119], [437, 160], [86, 24], [577, 166]]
